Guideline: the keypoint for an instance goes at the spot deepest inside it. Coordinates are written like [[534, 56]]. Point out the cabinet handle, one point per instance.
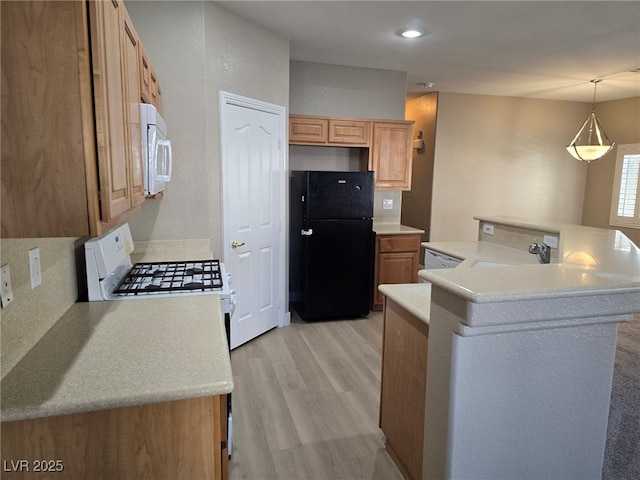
[[306, 233]]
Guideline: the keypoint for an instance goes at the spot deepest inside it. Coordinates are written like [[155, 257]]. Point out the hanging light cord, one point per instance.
[[595, 87]]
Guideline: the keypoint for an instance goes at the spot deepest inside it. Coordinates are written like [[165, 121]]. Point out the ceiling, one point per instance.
[[537, 49]]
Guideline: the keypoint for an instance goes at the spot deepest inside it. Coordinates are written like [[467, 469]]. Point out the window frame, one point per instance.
[[614, 219]]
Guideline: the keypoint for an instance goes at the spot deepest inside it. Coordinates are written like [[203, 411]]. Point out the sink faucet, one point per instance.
[[542, 250]]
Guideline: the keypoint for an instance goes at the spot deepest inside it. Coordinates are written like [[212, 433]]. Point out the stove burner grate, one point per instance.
[[172, 277]]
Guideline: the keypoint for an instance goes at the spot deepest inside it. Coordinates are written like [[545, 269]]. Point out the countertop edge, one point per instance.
[[395, 229], [70, 373], [26, 413], [413, 297]]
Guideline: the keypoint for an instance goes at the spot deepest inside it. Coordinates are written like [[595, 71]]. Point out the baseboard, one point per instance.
[[285, 320]]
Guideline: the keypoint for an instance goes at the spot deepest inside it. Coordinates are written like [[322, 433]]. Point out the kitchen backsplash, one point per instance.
[[34, 311], [387, 205], [516, 237]]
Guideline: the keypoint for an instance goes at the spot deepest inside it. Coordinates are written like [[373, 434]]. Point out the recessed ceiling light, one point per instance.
[[411, 33]]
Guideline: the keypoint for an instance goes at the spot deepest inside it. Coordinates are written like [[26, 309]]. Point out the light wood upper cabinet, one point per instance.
[[391, 155], [328, 131], [308, 130], [387, 145], [48, 135], [349, 132], [71, 152], [144, 74], [110, 105], [149, 84], [156, 94], [130, 44]]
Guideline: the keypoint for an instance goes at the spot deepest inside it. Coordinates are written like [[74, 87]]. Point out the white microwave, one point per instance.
[[156, 150]]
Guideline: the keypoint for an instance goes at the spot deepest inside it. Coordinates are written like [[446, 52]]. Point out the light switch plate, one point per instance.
[[34, 267], [6, 290], [387, 203]]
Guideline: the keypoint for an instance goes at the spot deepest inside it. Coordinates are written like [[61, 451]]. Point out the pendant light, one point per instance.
[[590, 143]]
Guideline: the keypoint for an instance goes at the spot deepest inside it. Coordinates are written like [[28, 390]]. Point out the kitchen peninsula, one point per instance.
[[520, 354]]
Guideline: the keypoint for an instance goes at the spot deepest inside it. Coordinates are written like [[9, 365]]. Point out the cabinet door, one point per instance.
[[305, 130], [396, 261], [349, 132], [145, 74], [403, 387], [47, 121], [391, 155], [395, 268], [132, 111], [156, 96], [169, 440], [111, 118]]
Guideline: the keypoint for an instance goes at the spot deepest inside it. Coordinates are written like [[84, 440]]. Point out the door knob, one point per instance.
[[235, 244]]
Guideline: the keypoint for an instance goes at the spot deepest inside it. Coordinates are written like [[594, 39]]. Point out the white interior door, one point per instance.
[[254, 180]]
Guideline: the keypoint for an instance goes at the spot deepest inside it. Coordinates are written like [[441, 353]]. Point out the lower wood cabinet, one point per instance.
[[397, 260], [403, 387], [180, 439]]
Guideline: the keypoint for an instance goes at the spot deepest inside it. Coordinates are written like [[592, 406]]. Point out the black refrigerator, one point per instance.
[[331, 244]]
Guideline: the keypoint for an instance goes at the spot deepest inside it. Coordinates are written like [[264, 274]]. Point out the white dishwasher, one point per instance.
[[433, 259]]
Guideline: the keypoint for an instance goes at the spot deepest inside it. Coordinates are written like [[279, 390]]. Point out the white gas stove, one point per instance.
[[112, 276]]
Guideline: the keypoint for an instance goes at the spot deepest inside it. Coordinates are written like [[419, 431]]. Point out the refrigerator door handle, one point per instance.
[[306, 233]]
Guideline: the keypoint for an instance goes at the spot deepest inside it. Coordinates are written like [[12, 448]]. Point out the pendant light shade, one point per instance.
[[590, 143]]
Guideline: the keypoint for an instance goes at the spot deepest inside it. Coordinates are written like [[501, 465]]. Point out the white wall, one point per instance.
[[504, 156], [200, 49], [339, 91]]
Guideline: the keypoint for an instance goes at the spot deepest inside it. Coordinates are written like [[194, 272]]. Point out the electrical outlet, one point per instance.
[[487, 228], [34, 267], [551, 240], [6, 290], [387, 203]]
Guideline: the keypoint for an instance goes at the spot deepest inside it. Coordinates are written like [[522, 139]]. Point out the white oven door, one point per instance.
[[159, 163]]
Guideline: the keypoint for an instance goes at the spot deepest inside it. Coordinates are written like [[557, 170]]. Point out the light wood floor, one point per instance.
[[306, 400]]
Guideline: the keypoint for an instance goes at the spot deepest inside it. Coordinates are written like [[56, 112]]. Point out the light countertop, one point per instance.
[[414, 297], [120, 353], [102, 355], [592, 261], [395, 229], [472, 252]]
